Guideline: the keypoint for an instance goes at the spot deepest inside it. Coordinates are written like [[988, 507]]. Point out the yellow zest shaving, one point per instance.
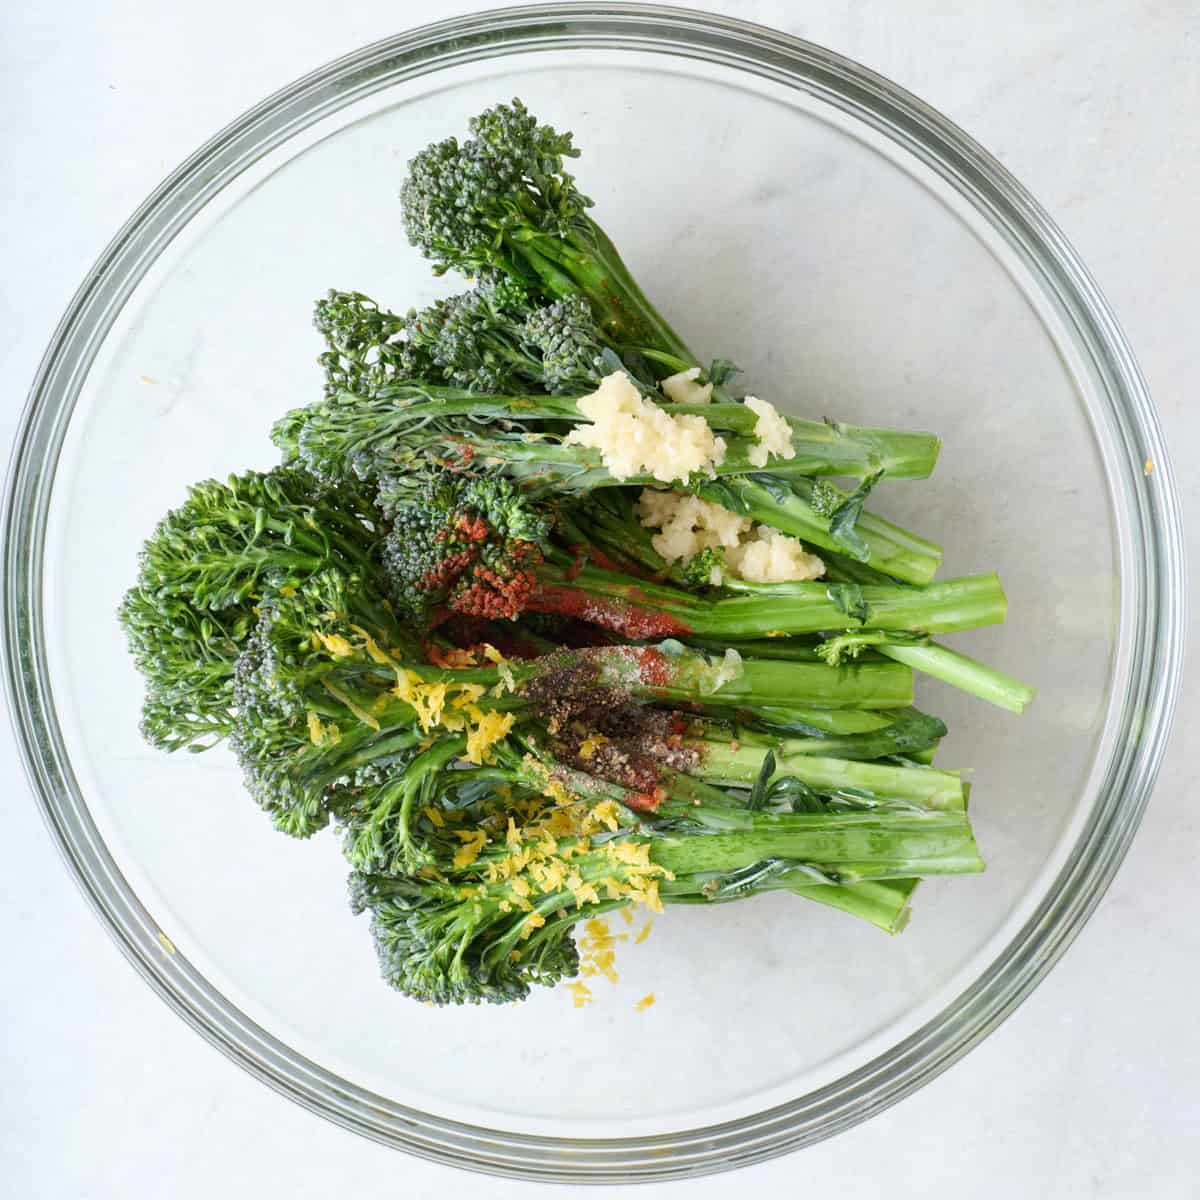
[[531, 922], [430, 701], [643, 933], [375, 653], [581, 994], [591, 744], [630, 854], [492, 654], [645, 1002], [434, 815], [451, 706], [320, 734], [473, 841], [468, 694], [549, 876], [407, 683], [337, 645], [549, 848], [489, 728], [606, 814], [597, 950], [627, 916]]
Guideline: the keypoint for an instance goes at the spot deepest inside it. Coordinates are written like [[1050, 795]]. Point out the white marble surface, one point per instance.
[[1092, 1089]]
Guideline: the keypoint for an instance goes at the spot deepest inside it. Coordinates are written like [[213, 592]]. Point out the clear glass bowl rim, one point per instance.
[[1153, 584]]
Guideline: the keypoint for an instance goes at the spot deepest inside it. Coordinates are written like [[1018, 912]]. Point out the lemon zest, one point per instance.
[[581, 994], [337, 645], [473, 841], [320, 734]]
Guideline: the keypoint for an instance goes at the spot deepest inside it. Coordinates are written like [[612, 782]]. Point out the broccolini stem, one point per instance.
[[828, 448], [892, 550], [587, 261], [885, 903], [833, 722], [854, 846], [763, 681], [926, 787], [910, 733], [801, 648], [940, 662], [644, 609], [965, 673]]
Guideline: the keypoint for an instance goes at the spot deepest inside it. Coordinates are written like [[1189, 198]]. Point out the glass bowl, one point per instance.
[[863, 258]]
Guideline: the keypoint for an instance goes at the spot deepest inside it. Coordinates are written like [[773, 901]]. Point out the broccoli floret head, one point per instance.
[[187, 660], [494, 340], [472, 340], [434, 944], [461, 198], [202, 574], [466, 544], [705, 569], [310, 685], [231, 541], [300, 636], [365, 351], [565, 336]]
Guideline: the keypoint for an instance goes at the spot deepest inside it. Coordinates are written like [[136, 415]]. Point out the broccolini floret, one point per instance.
[[464, 544], [503, 202], [203, 571]]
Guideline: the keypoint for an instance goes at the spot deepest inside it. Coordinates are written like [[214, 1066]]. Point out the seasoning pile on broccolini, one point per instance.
[[548, 622]]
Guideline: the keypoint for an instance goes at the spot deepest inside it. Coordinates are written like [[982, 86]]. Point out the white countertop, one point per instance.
[[1091, 1090]]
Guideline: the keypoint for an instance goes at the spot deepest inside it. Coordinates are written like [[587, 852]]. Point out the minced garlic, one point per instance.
[[773, 432], [636, 436], [773, 557], [755, 553], [683, 388], [688, 524]]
